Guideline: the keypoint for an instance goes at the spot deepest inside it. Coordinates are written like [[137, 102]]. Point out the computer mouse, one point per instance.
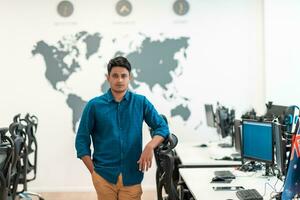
[[217, 179], [226, 158]]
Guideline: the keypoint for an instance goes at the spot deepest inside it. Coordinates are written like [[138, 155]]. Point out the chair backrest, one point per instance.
[[26, 129], [32, 146], [164, 156], [165, 159], [17, 131], [6, 156]]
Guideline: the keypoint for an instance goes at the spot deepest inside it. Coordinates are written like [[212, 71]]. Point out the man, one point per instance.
[[114, 123]]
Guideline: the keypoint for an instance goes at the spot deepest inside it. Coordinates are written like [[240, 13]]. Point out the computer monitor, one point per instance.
[[210, 117], [237, 135], [222, 121], [224, 124], [257, 141], [280, 149], [274, 110]]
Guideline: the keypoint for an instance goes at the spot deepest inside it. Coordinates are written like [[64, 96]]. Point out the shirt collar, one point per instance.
[[110, 96]]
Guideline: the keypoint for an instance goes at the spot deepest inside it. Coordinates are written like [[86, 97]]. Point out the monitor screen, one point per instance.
[[237, 135], [280, 149], [257, 140], [222, 121], [210, 117], [275, 110]]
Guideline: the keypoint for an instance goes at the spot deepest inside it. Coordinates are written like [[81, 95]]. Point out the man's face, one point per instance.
[[119, 79]]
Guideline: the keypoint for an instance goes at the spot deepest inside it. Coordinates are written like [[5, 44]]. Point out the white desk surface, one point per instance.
[[191, 154], [198, 182]]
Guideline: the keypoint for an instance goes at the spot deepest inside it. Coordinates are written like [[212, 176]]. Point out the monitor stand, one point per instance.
[[224, 145], [236, 156], [227, 145], [268, 168]]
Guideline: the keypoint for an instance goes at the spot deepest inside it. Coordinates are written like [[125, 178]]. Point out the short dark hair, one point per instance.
[[118, 61]]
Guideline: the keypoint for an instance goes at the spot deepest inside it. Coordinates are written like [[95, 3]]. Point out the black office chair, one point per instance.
[[164, 155], [165, 159], [29, 166], [32, 146], [17, 131], [6, 157]]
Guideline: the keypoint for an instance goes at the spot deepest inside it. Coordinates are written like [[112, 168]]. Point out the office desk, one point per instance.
[[191, 155], [198, 182]]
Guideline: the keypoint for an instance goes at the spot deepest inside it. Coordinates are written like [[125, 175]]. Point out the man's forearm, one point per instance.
[[156, 140], [88, 163], [145, 160]]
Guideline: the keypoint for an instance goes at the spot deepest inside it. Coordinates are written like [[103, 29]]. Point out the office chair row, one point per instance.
[[18, 158]]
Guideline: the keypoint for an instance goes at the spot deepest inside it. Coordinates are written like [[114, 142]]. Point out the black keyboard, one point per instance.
[[250, 194], [225, 174]]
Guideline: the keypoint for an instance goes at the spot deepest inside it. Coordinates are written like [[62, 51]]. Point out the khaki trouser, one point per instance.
[[109, 191]]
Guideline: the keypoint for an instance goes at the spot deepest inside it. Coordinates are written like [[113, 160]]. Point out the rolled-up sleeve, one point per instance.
[[83, 136], [154, 120]]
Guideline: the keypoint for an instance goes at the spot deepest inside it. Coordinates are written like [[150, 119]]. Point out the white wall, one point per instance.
[[282, 51], [224, 63]]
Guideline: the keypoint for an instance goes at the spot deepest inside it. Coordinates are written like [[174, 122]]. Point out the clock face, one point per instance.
[[65, 8], [181, 7], [123, 8]]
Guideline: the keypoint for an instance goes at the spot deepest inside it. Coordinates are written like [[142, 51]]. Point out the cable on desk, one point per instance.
[[276, 184], [276, 192], [251, 166], [272, 195], [265, 188]]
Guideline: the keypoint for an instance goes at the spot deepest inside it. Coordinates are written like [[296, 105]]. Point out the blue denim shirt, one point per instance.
[[116, 132]]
